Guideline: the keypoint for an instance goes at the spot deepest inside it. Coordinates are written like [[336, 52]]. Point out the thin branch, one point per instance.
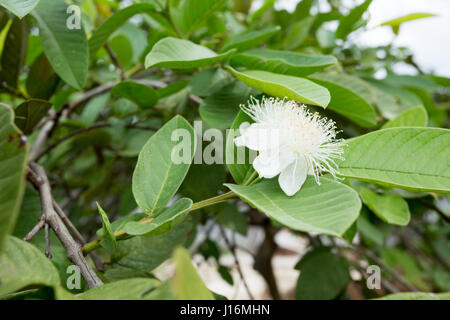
[[116, 62], [96, 259], [35, 229], [432, 206], [232, 248], [73, 249], [48, 248], [393, 272]]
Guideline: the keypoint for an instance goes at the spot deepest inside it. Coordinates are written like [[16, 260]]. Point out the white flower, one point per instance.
[[291, 141]]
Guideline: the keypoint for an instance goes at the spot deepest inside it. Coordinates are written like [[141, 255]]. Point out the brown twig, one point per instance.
[[48, 248], [432, 206], [96, 259], [232, 248], [35, 229], [74, 253]]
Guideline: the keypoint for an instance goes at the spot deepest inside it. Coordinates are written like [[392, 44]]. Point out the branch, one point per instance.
[[232, 248], [432, 206], [114, 60], [73, 249]]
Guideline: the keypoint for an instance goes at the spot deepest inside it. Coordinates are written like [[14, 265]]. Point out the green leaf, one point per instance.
[[109, 241], [128, 289], [416, 296], [156, 177], [66, 50], [19, 7], [187, 284], [414, 117], [219, 109], [410, 158], [29, 113], [395, 23], [250, 39], [42, 80], [163, 222], [284, 62], [101, 35], [323, 275], [345, 97], [297, 33], [369, 231], [328, 208], [208, 81], [239, 168], [22, 265], [389, 208], [13, 161], [283, 86], [182, 54], [348, 22], [203, 181], [142, 95], [14, 53], [187, 15], [140, 255]]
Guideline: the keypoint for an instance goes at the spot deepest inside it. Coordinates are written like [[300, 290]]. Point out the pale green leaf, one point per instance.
[[157, 177], [23, 265], [127, 289], [182, 54], [414, 117], [395, 23], [187, 284], [163, 222], [389, 208], [19, 7], [415, 159], [109, 241], [284, 62], [328, 208], [282, 86]]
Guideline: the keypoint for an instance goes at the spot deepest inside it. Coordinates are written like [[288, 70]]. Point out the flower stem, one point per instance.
[[88, 247]]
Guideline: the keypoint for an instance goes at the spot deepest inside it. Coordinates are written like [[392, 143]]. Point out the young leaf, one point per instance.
[[29, 113], [109, 241], [66, 49], [284, 62], [395, 23], [328, 208], [157, 177], [13, 159], [23, 265], [162, 223], [410, 158], [187, 284], [182, 54], [142, 95], [282, 86]]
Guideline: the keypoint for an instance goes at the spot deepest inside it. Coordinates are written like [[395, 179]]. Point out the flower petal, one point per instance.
[[269, 163], [293, 176], [258, 137]]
